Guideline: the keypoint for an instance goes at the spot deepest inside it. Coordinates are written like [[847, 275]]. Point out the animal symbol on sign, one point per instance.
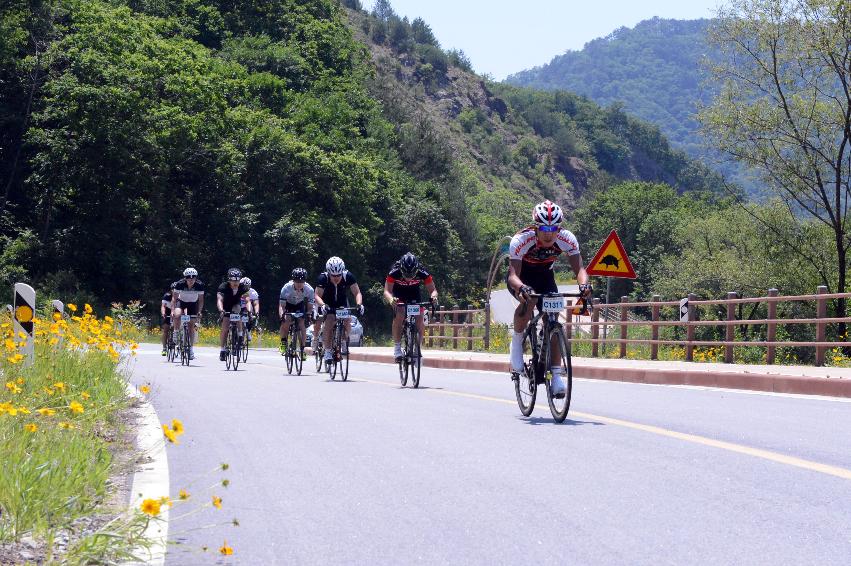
[[610, 261]]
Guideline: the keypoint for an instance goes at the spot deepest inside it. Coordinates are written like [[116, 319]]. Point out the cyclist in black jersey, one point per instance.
[[331, 293], [229, 297], [187, 297], [402, 286]]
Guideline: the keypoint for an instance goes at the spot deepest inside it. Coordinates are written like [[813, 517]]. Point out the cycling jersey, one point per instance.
[[251, 296], [293, 296], [407, 290], [186, 294], [166, 302], [335, 296], [231, 297], [524, 246]]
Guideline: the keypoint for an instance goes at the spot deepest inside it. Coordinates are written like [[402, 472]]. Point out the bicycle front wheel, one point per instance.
[[525, 384], [344, 353], [560, 404], [416, 357], [171, 353], [244, 348], [184, 347], [298, 350], [228, 349], [289, 357], [236, 350]]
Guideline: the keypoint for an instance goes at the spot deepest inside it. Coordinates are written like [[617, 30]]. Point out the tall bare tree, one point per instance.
[[784, 107]]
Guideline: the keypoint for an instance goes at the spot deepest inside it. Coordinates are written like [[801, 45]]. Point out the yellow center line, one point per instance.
[[729, 446]]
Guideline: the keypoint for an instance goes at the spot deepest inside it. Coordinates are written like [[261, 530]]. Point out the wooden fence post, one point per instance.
[[455, 328], [654, 329], [771, 333], [821, 327], [690, 327], [731, 330], [624, 328], [595, 330], [441, 342], [487, 337], [469, 319]]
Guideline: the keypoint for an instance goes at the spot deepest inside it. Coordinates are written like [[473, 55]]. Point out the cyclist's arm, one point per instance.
[[432, 290], [162, 308], [200, 304], [257, 307], [220, 302], [578, 269], [388, 293], [317, 295], [356, 292], [515, 266], [281, 308]]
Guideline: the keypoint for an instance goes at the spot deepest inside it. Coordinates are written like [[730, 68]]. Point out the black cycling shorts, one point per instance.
[[541, 279], [188, 308]]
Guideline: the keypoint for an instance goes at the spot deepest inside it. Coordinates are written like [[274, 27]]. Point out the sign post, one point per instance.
[[610, 261], [22, 322], [58, 307]]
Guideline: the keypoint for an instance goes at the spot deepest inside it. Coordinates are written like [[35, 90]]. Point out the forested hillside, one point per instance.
[[141, 136], [653, 71]]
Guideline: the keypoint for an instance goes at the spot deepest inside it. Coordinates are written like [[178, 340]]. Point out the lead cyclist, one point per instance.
[[532, 254]]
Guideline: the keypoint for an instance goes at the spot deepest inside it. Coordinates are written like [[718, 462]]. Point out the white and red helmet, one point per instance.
[[547, 214]]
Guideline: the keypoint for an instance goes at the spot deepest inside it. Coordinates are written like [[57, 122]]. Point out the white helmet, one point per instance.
[[190, 272], [335, 266], [245, 281], [547, 214]]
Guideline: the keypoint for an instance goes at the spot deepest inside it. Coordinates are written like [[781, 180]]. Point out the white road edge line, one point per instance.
[[634, 383], [150, 481]]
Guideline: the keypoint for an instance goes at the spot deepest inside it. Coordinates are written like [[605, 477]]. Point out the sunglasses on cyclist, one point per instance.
[[549, 228], [192, 277]]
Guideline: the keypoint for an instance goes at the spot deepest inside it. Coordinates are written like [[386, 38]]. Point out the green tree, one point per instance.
[[785, 109]]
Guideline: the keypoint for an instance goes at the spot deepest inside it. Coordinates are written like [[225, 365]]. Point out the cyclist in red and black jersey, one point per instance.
[[402, 286], [532, 254]]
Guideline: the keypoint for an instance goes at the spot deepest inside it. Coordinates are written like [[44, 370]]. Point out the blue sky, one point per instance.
[[505, 36]]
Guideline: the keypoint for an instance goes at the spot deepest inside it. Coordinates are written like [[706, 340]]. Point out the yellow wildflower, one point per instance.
[[169, 434], [10, 345], [87, 308], [46, 412], [183, 495], [165, 500], [72, 307], [66, 426], [31, 427], [85, 395], [76, 407], [151, 507], [59, 385], [225, 549], [145, 389], [177, 427], [20, 381], [217, 502], [57, 317], [23, 410]]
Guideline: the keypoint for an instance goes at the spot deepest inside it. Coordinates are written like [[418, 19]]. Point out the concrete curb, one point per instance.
[[726, 380], [150, 481]]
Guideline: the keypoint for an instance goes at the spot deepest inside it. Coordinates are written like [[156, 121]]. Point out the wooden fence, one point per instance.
[[625, 309], [453, 326]]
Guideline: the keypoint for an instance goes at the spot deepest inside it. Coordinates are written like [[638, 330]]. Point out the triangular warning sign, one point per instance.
[[611, 260]]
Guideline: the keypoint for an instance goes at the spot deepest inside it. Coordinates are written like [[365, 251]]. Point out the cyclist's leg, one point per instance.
[[522, 315], [192, 310], [398, 323], [421, 328], [285, 328], [223, 334], [166, 326], [327, 331]]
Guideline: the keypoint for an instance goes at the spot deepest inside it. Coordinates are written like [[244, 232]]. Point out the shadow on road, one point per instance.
[[535, 421]]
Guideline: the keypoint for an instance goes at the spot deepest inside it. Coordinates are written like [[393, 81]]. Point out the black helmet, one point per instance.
[[408, 265], [299, 274], [234, 274]]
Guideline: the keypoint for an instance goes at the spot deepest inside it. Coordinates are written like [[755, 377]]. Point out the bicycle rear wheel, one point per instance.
[[171, 352], [560, 406], [244, 348], [416, 357], [184, 347], [525, 385]]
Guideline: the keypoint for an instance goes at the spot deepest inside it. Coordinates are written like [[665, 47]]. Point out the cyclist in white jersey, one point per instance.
[[295, 296], [187, 296], [250, 302]]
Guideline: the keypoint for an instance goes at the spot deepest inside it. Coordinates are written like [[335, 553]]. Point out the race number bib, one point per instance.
[[184, 318], [413, 310], [235, 317], [342, 313], [553, 304]]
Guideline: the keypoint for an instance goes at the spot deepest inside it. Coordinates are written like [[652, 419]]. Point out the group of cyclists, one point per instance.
[[532, 255]]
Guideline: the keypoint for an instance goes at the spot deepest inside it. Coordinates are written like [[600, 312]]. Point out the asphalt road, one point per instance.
[[366, 472]]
